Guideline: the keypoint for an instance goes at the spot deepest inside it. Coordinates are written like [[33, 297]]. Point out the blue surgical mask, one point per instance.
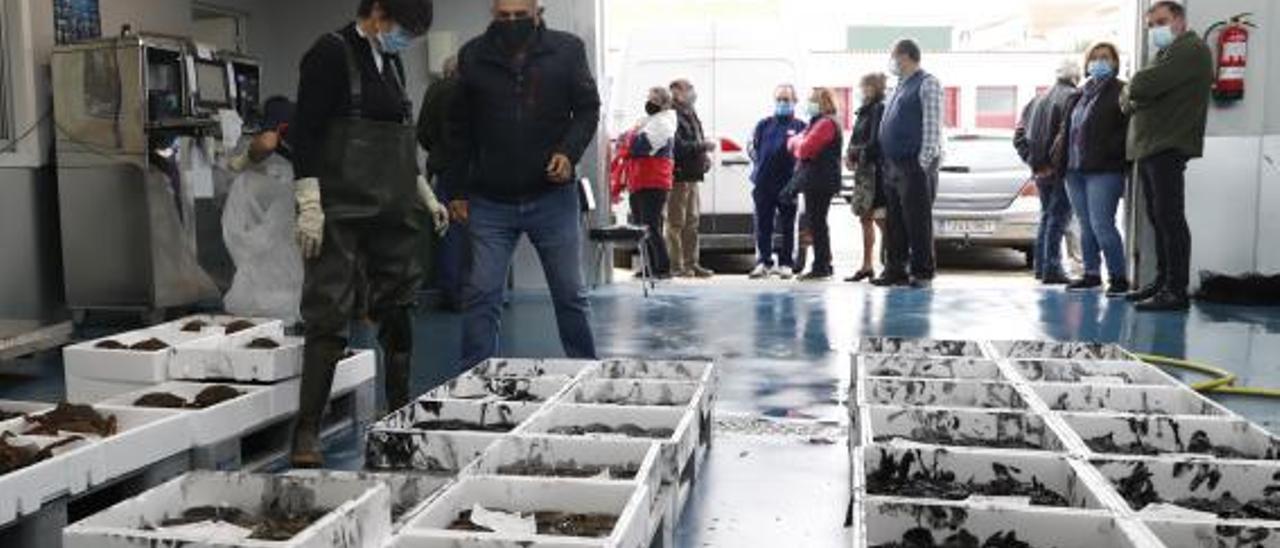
[[396, 40], [1100, 69], [785, 109], [1162, 37]]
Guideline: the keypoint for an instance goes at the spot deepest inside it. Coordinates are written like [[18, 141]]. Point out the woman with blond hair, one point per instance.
[[1091, 149], [863, 159], [818, 152]]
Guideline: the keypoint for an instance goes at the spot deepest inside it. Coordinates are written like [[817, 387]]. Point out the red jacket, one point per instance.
[[634, 172]]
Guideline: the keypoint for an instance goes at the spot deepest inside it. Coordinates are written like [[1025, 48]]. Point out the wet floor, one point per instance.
[[783, 349]]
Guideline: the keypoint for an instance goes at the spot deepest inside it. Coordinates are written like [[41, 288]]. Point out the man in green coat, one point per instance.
[[1169, 103]]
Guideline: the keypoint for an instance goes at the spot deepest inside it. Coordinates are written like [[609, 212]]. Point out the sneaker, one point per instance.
[[703, 272], [1165, 301], [784, 272], [1146, 293], [683, 274], [1055, 279], [760, 272], [1087, 283], [1119, 288]]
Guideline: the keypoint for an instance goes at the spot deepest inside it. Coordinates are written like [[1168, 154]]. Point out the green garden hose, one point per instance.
[[1221, 381]]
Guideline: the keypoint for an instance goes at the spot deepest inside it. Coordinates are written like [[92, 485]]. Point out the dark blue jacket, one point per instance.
[[774, 164], [902, 130]]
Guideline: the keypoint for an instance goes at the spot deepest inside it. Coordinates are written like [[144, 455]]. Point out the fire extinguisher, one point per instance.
[[1232, 56]]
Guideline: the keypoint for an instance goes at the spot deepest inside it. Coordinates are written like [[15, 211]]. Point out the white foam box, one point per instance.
[[511, 367], [1093, 372], [1183, 435], [94, 374], [643, 393], [885, 523], [889, 468], [921, 347], [490, 417], [659, 370], [143, 437], [216, 325], [524, 452], [677, 449], [1184, 534], [1148, 400], [25, 490], [359, 368], [21, 408], [442, 454], [1153, 487], [1021, 350], [925, 367], [941, 393], [625, 501], [359, 515], [981, 428], [227, 420], [473, 387], [226, 358], [409, 492]]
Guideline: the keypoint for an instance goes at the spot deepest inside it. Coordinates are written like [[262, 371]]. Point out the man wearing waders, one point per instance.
[[362, 202]]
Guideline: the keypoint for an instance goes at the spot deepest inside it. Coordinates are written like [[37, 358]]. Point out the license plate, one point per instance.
[[953, 227]]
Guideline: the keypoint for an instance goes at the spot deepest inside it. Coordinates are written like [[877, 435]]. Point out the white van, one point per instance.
[[735, 71]]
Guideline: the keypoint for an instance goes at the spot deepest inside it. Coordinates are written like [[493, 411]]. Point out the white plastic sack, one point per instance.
[[258, 227]]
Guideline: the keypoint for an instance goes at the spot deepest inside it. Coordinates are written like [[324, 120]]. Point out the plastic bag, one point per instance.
[[258, 226]]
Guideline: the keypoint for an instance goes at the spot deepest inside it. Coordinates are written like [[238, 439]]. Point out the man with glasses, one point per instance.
[[525, 112]]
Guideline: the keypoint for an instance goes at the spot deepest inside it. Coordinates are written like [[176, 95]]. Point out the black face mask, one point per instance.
[[652, 108], [514, 34]]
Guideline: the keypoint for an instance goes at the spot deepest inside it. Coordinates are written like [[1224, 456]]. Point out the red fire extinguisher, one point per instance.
[[1232, 58]]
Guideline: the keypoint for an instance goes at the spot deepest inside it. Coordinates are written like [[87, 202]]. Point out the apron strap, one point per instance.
[[353, 77]]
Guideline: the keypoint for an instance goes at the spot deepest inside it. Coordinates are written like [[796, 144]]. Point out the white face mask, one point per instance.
[[894, 68]]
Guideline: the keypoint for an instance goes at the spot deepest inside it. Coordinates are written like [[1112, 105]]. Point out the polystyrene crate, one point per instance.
[[642, 393], [358, 512], [684, 424], [489, 417], [521, 456], [1021, 350], [217, 324], [25, 490], [1199, 437], [940, 393], [1185, 490], [20, 408], [227, 358], [627, 502], [886, 523], [925, 367], [477, 388], [979, 428], [220, 422], [921, 347], [442, 454], [1199, 534], [523, 368], [409, 492], [960, 474], [355, 370], [658, 370], [86, 360], [1147, 400], [1093, 372]]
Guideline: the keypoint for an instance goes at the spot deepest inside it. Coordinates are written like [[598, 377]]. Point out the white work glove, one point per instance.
[[439, 214], [310, 230]]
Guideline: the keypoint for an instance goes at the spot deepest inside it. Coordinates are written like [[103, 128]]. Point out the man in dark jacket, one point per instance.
[[452, 255], [1034, 138], [360, 202], [773, 166], [1169, 103], [525, 112], [693, 161]]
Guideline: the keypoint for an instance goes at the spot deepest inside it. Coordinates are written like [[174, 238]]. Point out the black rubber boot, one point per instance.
[[321, 357], [396, 338]]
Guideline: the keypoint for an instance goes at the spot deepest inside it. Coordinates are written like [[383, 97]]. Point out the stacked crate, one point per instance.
[[1067, 445]]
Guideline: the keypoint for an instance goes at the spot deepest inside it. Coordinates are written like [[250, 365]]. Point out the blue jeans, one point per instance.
[[452, 262], [552, 223], [1095, 198], [1055, 215], [772, 212]]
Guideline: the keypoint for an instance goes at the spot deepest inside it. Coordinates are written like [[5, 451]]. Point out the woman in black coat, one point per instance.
[[863, 159]]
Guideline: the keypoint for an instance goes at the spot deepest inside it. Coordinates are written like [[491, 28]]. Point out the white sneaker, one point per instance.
[[761, 272], [784, 272]]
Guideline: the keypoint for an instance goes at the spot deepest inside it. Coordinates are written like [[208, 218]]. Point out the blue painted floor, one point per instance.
[[783, 351]]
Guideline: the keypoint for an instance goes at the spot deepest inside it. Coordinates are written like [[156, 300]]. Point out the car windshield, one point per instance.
[[981, 154]]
